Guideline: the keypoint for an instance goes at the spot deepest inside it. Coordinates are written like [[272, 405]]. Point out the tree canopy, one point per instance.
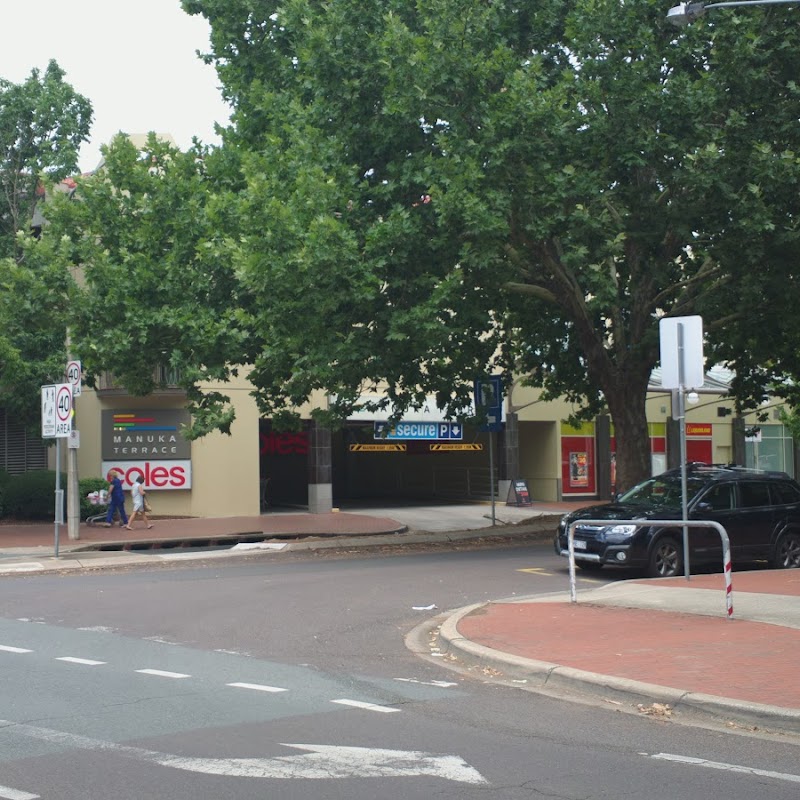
[[43, 122], [415, 194]]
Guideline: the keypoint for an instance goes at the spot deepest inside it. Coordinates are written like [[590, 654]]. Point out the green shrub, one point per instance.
[[4, 479], [31, 495]]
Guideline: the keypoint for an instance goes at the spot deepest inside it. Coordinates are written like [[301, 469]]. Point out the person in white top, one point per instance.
[[137, 494]]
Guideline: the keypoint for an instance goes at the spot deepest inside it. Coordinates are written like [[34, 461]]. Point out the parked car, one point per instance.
[[759, 510]]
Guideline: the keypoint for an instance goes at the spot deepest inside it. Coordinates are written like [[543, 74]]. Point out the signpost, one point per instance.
[[489, 400], [681, 340], [73, 373], [57, 424]]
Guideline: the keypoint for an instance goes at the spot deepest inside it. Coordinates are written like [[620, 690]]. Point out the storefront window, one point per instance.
[[775, 451]]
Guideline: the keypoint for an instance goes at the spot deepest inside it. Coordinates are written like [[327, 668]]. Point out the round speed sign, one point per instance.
[[74, 373]]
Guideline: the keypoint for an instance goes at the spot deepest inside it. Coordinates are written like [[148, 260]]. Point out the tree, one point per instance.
[[461, 185], [411, 195], [42, 124], [155, 290]]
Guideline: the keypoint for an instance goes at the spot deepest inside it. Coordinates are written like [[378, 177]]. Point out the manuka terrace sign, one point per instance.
[[151, 434]]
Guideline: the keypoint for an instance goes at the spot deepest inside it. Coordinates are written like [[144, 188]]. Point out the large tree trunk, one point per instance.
[[626, 403]]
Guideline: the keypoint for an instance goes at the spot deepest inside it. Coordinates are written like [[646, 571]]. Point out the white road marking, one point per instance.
[[702, 762], [365, 706], [87, 661], [257, 686], [14, 794], [160, 673], [320, 761], [8, 649], [24, 566], [441, 684]]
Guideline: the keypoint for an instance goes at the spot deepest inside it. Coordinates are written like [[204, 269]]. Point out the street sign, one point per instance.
[[681, 344], [48, 412], [56, 411], [63, 410], [489, 399], [419, 430], [74, 374]]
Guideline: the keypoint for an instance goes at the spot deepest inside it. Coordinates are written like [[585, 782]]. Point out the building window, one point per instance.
[[775, 451], [20, 451]]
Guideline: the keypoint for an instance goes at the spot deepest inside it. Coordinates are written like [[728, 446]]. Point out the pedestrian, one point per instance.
[[138, 493], [116, 500]]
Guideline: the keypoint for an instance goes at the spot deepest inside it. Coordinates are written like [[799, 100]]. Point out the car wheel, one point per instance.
[[589, 566], [665, 559], [787, 551]]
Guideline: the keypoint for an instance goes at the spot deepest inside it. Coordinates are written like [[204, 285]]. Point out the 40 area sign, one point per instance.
[[56, 411]]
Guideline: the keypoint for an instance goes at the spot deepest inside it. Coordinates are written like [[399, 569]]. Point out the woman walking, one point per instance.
[[138, 493]]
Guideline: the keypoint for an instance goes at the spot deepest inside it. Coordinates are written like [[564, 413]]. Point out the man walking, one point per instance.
[[116, 500]]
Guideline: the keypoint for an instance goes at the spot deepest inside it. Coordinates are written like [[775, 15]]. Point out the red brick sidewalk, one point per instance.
[[745, 660]]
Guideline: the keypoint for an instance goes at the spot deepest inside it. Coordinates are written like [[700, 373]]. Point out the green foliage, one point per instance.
[[43, 122], [31, 495], [157, 288], [439, 190]]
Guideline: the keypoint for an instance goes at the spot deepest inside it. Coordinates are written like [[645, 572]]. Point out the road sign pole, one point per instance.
[[74, 373], [682, 429], [56, 506], [491, 473]]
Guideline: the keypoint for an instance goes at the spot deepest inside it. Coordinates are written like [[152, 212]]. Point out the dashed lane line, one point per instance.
[[8, 649], [257, 687], [365, 706], [7, 793], [160, 673], [86, 661]]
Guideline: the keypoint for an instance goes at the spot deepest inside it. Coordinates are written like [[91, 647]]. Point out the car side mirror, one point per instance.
[[704, 506]]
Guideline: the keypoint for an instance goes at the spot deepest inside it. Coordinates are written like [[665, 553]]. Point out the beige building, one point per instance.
[[257, 468]]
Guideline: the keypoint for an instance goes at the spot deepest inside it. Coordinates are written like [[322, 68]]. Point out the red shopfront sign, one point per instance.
[[283, 444]]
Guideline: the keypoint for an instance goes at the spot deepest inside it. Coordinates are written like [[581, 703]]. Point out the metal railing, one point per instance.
[[670, 523]]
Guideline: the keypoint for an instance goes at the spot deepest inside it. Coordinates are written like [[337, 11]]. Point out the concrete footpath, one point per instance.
[[660, 647]]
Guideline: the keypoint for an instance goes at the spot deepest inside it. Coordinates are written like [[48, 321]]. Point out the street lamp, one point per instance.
[[685, 13]]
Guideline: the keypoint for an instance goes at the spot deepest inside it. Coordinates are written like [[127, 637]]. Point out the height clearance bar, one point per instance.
[[378, 448], [437, 448]]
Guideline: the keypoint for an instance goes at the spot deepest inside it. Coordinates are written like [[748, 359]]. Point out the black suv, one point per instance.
[[759, 510]]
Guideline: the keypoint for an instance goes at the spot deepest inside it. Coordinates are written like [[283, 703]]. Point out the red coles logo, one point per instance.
[[283, 444], [155, 476]]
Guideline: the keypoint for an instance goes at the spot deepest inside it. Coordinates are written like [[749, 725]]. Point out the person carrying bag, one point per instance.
[[140, 504]]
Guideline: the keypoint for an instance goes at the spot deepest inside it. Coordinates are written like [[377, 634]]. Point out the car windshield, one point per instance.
[[661, 492]]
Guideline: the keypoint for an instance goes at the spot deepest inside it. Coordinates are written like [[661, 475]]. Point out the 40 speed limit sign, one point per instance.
[[73, 374], [56, 411]]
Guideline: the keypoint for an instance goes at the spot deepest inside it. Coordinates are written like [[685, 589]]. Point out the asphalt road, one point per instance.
[[270, 678]]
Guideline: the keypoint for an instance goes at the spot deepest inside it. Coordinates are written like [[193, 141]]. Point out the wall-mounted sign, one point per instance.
[[145, 434], [378, 448], [418, 430], [698, 429], [438, 448], [156, 474]]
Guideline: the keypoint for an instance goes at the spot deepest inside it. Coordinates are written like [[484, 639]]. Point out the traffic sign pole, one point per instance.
[[74, 373]]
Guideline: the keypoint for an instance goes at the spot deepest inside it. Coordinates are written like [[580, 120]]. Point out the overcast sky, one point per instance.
[[134, 59]]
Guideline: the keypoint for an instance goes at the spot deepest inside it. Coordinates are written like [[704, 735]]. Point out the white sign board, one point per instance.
[[57, 411], [48, 412], [691, 354], [74, 373]]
